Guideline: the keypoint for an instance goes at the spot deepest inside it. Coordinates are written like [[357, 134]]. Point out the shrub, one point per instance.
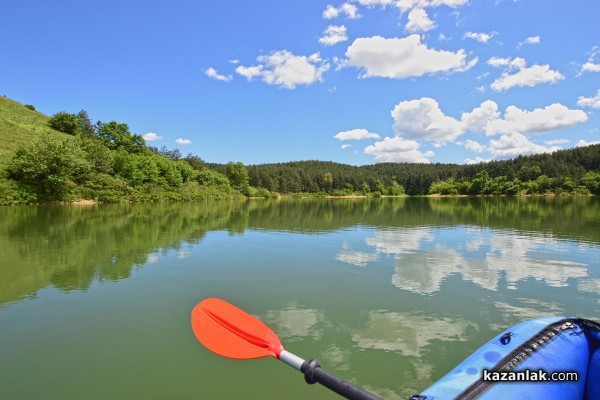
[[50, 167], [30, 107], [65, 122]]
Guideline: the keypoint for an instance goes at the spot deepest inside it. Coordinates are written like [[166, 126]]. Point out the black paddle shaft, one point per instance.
[[313, 373]]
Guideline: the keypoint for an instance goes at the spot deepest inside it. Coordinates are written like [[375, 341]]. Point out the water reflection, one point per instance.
[[426, 257], [295, 323], [408, 333]]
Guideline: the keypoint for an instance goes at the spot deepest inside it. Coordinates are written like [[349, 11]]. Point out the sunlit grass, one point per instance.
[[19, 126]]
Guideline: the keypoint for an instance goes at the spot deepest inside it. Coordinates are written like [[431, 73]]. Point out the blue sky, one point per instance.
[[356, 81]]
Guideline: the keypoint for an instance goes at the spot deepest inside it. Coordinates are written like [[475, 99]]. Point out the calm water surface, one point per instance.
[[388, 293]]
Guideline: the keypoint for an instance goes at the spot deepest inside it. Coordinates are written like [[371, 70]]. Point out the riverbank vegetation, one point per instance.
[[66, 157]]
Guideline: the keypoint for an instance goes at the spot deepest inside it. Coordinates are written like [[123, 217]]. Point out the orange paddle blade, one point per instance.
[[230, 332]]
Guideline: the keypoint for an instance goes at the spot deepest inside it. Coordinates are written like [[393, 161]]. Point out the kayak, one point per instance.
[[545, 358]]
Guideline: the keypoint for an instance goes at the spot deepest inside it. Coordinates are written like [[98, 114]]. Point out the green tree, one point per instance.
[[327, 181], [591, 180], [529, 173], [447, 187], [50, 167], [194, 161], [238, 176], [85, 124], [65, 122], [116, 135], [97, 154], [481, 183]]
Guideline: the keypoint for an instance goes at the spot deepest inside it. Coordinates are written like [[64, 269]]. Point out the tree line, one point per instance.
[[574, 171], [107, 163]]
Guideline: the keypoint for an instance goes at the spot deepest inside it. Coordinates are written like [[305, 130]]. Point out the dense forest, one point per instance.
[[66, 157], [573, 171]]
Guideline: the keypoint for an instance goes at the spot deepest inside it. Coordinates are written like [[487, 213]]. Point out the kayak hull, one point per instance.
[[545, 358]]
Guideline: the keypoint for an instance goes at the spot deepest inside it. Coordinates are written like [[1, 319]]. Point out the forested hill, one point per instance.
[[563, 170], [66, 158]]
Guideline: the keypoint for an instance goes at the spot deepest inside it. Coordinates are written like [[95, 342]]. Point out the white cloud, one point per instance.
[[480, 117], [476, 160], [474, 146], [373, 3], [556, 142], [183, 142], [514, 144], [356, 134], [249, 72], [345, 146], [284, 69], [350, 10], [530, 40], [583, 143], [151, 136], [514, 125], [423, 119], [402, 58], [334, 34], [419, 21], [590, 67], [212, 73], [398, 150], [498, 62], [550, 118], [593, 102], [480, 36], [525, 76], [234, 61]]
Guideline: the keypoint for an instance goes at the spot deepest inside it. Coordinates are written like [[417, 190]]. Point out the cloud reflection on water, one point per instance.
[[295, 323], [408, 333], [426, 257]]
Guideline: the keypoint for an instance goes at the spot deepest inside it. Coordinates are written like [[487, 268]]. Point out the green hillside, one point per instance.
[[101, 162], [20, 126]]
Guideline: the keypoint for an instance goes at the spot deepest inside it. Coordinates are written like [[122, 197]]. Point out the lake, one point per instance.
[[389, 293]]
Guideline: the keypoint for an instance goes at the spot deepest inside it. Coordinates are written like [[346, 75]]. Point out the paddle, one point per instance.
[[230, 332]]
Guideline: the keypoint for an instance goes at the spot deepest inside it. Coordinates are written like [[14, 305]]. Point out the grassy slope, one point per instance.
[[20, 126]]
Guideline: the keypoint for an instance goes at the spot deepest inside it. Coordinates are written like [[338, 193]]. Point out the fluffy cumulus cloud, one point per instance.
[[419, 21], [212, 73], [334, 34], [356, 134], [284, 69], [590, 67], [347, 9], [402, 58], [481, 37], [593, 102], [514, 144], [479, 119], [397, 149], [514, 131], [550, 118], [182, 141], [151, 136], [524, 76], [423, 120], [514, 127], [474, 146]]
